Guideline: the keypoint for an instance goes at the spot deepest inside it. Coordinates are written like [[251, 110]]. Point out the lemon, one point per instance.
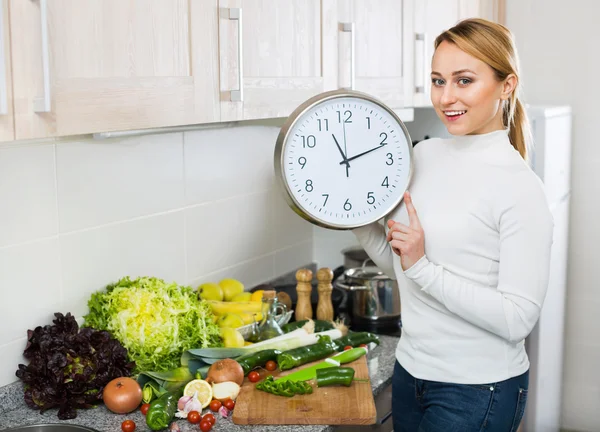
[[257, 295], [232, 338], [203, 388]]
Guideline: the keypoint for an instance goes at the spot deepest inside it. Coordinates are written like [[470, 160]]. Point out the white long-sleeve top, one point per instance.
[[469, 303]]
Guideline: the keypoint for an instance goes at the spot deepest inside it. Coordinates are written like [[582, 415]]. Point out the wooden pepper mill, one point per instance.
[[324, 306], [303, 288]]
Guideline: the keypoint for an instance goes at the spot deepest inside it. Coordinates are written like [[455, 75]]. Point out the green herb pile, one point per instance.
[[154, 320]]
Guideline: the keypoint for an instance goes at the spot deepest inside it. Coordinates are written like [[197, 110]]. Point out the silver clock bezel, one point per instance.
[[282, 140]]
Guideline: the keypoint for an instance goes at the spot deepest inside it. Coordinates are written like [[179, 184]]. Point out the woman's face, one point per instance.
[[465, 92]]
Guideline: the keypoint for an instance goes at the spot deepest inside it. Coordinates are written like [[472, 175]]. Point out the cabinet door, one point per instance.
[[376, 49], [492, 10], [6, 102], [271, 55], [101, 65]]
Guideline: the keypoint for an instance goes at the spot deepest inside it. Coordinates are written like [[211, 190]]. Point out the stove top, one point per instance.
[[385, 329]]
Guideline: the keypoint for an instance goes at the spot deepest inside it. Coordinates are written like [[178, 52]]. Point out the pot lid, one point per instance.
[[370, 273]]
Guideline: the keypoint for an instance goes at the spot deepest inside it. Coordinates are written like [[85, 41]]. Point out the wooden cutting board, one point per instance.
[[333, 405]]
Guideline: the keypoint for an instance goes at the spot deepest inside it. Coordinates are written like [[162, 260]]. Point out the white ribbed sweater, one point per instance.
[[468, 304]]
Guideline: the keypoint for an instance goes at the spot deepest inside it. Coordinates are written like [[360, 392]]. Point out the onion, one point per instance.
[[122, 395], [225, 390], [225, 370]]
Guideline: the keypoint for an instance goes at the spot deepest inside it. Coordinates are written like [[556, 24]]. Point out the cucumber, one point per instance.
[[320, 325]]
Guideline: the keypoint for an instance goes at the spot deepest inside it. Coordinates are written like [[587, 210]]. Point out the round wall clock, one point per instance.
[[343, 160]]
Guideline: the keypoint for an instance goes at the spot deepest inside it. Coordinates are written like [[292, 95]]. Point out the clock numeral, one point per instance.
[[385, 182], [308, 187], [371, 198], [368, 122], [384, 138], [302, 161], [326, 198], [348, 115], [347, 205], [309, 141], [326, 122], [390, 159]]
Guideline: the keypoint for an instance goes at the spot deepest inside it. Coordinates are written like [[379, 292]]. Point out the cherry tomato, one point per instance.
[[254, 376], [215, 405], [271, 365], [194, 417], [363, 346], [128, 426], [209, 418], [205, 426], [347, 347], [229, 404], [144, 409]]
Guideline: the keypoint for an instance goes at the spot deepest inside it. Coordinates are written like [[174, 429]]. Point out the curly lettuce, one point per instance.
[[155, 321]]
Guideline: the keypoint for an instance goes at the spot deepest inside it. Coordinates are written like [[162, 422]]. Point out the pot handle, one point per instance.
[[351, 287]]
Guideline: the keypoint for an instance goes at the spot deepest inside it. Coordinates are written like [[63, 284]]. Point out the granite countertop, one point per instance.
[[14, 412]]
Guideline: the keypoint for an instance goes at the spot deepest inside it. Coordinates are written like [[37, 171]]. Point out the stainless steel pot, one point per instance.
[[355, 256], [375, 296]]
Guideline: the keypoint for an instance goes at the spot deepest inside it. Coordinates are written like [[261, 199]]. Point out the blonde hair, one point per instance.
[[493, 44]]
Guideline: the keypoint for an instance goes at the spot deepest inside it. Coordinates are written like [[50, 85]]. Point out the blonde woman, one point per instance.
[[470, 246]]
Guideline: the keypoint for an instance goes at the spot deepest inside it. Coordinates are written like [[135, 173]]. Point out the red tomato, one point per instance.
[[254, 376], [363, 345], [209, 418], [205, 426], [271, 365], [215, 405], [128, 426], [347, 347], [144, 409], [194, 417], [229, 404]]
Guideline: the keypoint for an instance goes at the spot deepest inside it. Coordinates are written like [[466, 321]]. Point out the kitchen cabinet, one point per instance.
[[432, 17], [101, 65], [376, 49], [6, 102], [272, 55]]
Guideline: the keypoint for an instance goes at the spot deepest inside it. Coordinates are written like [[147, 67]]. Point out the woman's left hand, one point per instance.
[[407, 241]]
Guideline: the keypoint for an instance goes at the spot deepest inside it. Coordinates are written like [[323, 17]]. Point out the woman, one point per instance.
[[473, 238]]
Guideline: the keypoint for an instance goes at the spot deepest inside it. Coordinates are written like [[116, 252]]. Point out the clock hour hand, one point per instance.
[[362, 154], [345, 160]]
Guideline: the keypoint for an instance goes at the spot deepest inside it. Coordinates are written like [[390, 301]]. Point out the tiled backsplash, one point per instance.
[[187, 207]]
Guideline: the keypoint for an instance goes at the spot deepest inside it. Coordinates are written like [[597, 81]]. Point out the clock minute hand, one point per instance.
[[362, 154]]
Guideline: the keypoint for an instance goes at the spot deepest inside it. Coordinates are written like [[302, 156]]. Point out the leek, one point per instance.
[[288, 341]]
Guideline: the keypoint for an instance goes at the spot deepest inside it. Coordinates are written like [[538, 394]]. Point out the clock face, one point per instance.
[[345, 161]]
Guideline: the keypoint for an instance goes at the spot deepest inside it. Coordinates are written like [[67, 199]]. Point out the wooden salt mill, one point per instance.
[[303, 288], [325, 307]]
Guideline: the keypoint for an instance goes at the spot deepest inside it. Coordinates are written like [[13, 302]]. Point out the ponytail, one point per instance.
[[515, 119]]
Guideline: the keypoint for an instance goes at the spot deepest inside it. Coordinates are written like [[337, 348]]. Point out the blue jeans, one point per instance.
[[431, 406]]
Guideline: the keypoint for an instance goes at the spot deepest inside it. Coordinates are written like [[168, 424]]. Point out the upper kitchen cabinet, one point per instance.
[[102, 65], [432, 17], [272, 54], [7, 132], [376, 49]]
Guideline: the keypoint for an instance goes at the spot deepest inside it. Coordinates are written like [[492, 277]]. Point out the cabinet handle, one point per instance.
[[42, 104], [3, 80], [422, 37], [349, 28], [237, 95]]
